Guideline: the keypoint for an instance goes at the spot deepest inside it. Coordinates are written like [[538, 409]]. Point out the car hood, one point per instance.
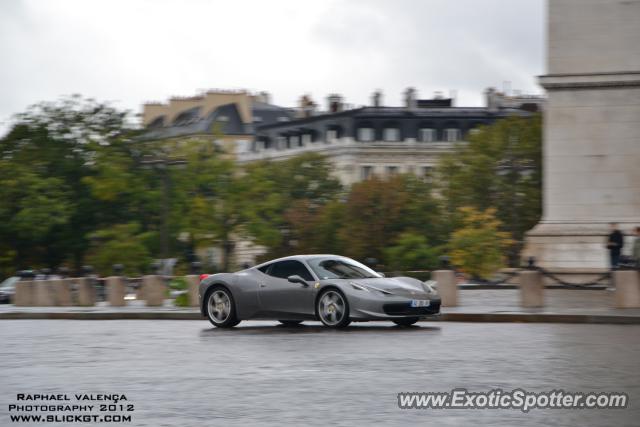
[[400, 286]]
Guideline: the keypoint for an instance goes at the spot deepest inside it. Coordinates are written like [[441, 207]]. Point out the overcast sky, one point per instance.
[[133, 51]]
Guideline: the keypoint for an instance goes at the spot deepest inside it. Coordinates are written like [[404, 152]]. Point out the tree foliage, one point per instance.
[[78, 185], [282, 200], [47, 210], [500, 167], [412, 252], [120, 244], [378, 211], [477, 247]]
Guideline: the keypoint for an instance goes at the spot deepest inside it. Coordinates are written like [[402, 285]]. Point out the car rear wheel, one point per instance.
[[407, 321], [221, 309], [333, 309], [290, 322]]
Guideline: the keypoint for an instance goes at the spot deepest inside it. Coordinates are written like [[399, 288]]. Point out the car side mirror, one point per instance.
[[381, 273], [297, 279]]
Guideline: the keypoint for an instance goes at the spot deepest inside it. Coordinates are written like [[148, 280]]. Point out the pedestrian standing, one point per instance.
[[615, 242], [635, 253]]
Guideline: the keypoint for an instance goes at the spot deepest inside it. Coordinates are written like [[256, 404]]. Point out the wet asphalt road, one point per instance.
[[185, 373]]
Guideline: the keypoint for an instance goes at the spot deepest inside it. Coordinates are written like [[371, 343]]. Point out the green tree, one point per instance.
[[378, 211], [274, 191], [120, 244], [207, 198], [411, 252], [500, 167], [477, 247], [48, 208]]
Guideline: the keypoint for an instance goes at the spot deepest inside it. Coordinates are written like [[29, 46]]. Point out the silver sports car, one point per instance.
[[333, 289]]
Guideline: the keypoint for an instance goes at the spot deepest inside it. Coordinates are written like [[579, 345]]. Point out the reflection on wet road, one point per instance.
[[185, 373]]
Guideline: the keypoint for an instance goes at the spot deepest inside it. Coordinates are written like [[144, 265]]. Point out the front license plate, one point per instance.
[[420, 303]]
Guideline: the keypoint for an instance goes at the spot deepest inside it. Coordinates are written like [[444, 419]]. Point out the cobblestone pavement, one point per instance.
[[186, 373]]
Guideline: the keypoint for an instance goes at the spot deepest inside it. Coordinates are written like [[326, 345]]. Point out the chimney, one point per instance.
[[264, 97], [410, 96], [376, 98], [306, 106], [493, 99], [335, 103]]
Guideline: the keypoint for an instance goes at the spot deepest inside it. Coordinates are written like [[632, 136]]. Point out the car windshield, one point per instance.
[[341, 268], [9, 283]]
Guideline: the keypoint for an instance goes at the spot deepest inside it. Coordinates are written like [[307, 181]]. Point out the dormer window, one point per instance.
[[427, 135], [332, 136], [366, 134], [306, 139], [391, 134], [451, 135]]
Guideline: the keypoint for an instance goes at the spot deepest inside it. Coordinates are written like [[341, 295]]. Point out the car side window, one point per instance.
[[265, 268], [284, 269]]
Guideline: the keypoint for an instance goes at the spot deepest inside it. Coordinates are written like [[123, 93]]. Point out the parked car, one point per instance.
[[333, 289], [8, 289]]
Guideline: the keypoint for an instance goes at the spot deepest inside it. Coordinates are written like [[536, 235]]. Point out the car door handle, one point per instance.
[[262, 285]]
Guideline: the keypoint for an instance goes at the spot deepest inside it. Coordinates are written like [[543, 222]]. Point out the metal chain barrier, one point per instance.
[[561, 283], [569, 285]]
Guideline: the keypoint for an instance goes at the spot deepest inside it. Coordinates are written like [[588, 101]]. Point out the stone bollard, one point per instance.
[[115, 291], [193, 283], [61, 292], [531, 288], [85, 292], [43, 295], [154, 290], [24, 294], [447, 287], [627, 283]]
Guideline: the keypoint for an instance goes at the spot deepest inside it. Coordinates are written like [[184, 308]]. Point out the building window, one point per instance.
[[283, 119], [367, 172], [281, 142], [391, 134], [332, 136], [365, 134], [392, 170], [257, 119], [294, 141], [427, 135], [306, 139], [451, 135]]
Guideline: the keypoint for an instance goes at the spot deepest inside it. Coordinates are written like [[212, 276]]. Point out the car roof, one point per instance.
[[298, 258]]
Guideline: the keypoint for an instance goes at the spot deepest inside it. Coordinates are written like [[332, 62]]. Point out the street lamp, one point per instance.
[[162, 165], [514, 169]]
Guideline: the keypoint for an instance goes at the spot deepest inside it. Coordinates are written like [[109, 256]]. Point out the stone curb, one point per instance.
[[444, 317], [540, 318], [133, 315]]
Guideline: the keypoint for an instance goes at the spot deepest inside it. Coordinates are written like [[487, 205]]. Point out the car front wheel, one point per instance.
[[221, 309], [333, 309]]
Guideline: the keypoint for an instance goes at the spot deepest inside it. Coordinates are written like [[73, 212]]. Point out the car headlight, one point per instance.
[[368, 288], [429, 286], [358, 287]]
